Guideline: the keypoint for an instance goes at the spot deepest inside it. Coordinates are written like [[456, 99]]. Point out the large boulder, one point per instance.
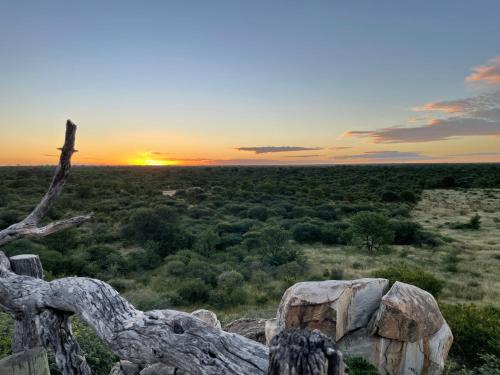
[[251, 328], [335, 307], [208, 317], [407, 313], [400, 331], [425, 356]]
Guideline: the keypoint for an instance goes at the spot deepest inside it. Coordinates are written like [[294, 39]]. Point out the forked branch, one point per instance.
[[29, 227]]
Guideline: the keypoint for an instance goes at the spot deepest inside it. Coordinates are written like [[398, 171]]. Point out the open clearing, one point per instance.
[[468, 260]]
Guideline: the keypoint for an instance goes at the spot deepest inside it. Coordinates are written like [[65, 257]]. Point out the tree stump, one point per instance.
[[25, 328], [28, 265], [304, 352]]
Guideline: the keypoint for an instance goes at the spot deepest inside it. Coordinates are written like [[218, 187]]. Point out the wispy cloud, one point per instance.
[[489, 74], [302, 156], [49, 155], [476, 154], [384, 155], [340, 148], [474, 116], [270, 149]]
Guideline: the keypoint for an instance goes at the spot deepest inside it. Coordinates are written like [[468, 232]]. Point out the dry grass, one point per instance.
[[469, 260]]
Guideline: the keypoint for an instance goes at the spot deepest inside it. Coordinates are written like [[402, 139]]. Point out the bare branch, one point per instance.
[[28, 228]]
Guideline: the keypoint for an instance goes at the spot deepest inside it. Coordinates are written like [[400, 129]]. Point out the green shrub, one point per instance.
[[405, 232], [229, 279], [360, 366], [193, 291], [390, 196], [476, 332], [411, 275], [306, 232]]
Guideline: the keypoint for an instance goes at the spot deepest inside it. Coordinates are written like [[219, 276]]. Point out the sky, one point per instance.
[[250, 82]]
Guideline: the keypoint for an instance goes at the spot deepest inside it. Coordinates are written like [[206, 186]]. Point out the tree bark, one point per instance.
[[28, 228], [25, 335], [302, 352], [171, 337]]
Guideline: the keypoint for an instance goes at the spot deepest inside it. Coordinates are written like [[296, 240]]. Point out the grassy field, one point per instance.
[[468, 260]]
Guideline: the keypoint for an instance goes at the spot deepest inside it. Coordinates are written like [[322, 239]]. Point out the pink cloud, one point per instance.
[[489, 74]]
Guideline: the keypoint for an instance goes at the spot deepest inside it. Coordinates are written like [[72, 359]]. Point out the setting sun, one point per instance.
[[154, 162]]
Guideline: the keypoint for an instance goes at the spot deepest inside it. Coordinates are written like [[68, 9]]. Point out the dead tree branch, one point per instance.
[[28, 228], [171, 337]]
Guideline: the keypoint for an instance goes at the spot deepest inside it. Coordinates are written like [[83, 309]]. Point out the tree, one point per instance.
[[371, 231], [276, 246]]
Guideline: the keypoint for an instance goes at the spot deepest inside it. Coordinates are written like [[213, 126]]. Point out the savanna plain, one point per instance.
[[233, 239]]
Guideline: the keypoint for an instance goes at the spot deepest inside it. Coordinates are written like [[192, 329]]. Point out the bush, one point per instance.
[[229, 279], [405, 232], [306, 232], [474, 223], [334, 234], [408, 196], [193, 291], [360, 366], [222, 298], [412, 275], [371, 231], [390, 196], [276, 247], [476, 332]]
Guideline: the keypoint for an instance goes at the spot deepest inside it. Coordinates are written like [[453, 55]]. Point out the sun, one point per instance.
[[154, 162]]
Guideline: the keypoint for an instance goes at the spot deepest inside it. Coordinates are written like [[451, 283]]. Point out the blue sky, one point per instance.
[[200, 79]]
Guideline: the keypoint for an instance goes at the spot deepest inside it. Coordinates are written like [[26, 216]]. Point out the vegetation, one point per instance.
[[412, 275], [233, 239]]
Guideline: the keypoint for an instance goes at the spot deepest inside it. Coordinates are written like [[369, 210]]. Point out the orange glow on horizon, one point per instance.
[[153, 162]]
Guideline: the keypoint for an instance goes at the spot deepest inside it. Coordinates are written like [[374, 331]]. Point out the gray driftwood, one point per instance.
[[304, 352], [171, 337], [25, 335], [29, 227]]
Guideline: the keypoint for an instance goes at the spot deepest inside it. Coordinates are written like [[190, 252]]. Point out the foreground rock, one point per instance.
[[407, 313], [425, 356], [208, 317], [335, 307], [251, 328], [400, 331]]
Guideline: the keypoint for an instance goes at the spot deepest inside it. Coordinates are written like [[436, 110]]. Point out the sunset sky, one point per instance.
[[250, 82]]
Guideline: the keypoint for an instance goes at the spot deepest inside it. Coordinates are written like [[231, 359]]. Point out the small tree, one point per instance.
[[371, 231]]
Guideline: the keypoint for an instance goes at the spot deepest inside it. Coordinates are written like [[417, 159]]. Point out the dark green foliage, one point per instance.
[[193, 291], [476, 332], [390, 196], [166, 251], [306, 232], [276, 248], [159, 225], [371, 231], [359, 366], [99, 357], [474, 223], [412, 275], [405, 232]]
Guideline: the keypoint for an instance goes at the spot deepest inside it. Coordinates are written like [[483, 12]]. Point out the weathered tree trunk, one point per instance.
[[49, 328], [25, 334], [28, 265], [171, 337], [56, 333], [302, 352]]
